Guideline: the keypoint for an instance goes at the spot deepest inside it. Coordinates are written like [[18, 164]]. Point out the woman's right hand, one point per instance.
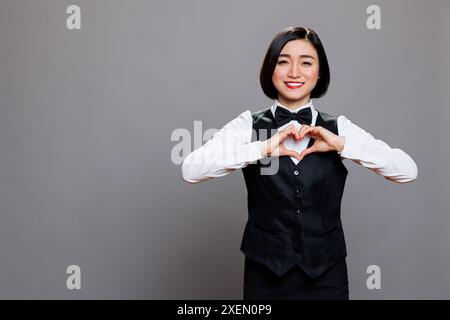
[[274, 146]]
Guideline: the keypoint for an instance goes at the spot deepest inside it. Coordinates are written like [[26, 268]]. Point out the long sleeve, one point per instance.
[[362, 148], [229, 149]]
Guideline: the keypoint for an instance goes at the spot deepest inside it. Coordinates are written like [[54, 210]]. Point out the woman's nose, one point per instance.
[[294, 71]]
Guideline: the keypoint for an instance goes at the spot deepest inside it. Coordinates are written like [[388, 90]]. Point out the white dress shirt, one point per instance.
[[231, 148]]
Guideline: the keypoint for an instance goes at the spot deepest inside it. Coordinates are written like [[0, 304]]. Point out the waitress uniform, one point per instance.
[[293, 240]]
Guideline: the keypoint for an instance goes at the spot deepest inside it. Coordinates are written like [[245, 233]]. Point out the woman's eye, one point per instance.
[[305, 63]]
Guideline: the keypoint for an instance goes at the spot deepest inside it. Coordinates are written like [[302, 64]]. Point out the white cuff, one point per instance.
[[352, 149]]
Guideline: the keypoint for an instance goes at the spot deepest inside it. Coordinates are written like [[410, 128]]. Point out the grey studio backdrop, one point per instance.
[[86, 121]]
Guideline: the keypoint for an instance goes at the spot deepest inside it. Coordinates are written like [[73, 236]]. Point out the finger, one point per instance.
[[303, 132], [287, 130], [307, 151], [303, 129], [314, 131], [291, 130], [294, 131], [293, 154], [284, 134]]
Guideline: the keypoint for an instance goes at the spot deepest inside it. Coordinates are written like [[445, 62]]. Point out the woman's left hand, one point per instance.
[[325, 140]]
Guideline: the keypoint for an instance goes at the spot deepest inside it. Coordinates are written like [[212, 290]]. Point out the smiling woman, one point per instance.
[[294, 242], [296, 73]]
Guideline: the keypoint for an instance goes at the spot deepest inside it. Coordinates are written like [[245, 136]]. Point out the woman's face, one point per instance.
[[296, 73]]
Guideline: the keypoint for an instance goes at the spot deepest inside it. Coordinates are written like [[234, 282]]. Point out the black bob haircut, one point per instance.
[[271, 59]]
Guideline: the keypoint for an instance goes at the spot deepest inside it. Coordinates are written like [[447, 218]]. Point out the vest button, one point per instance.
[[296, 191], [296, 172], [298, 211]]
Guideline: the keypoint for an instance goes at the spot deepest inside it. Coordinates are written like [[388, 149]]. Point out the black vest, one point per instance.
[[294, 215]]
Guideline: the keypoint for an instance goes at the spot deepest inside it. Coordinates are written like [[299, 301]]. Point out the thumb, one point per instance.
[[307, 151], [293, 154]]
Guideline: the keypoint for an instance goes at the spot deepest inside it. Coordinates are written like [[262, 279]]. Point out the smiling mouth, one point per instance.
[[294, 85]]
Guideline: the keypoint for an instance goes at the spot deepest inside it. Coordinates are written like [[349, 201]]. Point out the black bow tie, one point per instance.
[[283, 116]]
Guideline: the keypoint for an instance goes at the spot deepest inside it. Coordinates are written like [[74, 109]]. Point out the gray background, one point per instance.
[[86, 118]]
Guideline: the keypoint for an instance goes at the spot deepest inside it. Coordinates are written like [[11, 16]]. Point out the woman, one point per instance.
[[293, 241]]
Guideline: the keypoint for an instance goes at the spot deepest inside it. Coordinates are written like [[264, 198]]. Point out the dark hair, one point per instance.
[[271, 59]]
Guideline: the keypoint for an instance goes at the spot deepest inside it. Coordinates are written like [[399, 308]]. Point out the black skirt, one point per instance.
[[261, 283]]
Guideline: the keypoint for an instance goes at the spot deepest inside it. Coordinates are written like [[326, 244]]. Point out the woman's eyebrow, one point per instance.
[[301, 56]]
